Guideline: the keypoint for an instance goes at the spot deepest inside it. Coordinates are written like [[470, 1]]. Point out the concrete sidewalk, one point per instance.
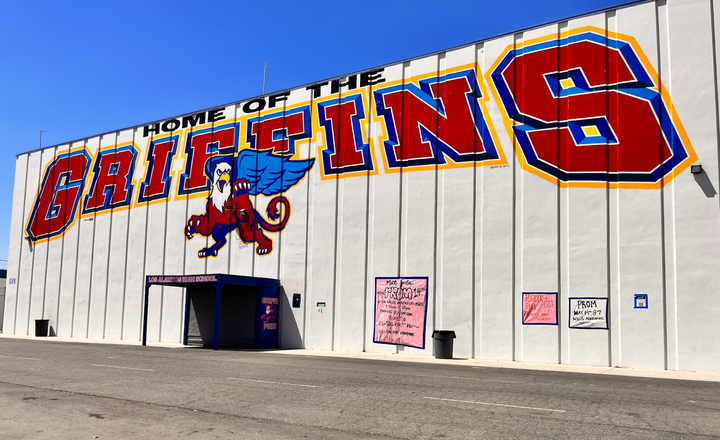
[[473, 363]]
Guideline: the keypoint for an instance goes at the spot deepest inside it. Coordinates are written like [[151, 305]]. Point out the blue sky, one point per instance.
[[78, 68]]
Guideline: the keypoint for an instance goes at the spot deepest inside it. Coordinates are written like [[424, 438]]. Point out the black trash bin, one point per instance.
[[41, 327], [443, 344]]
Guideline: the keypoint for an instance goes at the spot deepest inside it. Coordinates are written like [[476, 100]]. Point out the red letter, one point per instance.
[[158, 181], [587, 108], [441, 119], [112, 179], [346, 149], [279, 130], [58, 197], [200, 146]]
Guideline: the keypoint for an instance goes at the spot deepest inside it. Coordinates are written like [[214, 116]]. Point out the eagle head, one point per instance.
[[219, 172]]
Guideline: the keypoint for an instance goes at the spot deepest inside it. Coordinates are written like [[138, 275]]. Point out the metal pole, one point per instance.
[[145, 315], [264, 77], [187, 315], [41, 132]]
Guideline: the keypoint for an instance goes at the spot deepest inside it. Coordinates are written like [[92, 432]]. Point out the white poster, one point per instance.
[[588, 313]]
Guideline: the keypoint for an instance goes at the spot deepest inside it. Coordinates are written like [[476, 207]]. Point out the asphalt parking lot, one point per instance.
[[51, 389]]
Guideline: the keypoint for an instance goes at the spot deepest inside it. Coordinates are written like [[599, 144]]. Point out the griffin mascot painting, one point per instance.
[[234, 179]]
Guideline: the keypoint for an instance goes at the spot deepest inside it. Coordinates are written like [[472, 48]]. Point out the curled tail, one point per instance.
[[274, 214]]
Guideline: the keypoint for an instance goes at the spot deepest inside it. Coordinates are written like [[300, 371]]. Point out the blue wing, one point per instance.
[[268, 173]]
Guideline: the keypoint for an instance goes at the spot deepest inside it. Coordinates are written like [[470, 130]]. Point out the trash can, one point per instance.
[[443, 344], [41, 327]]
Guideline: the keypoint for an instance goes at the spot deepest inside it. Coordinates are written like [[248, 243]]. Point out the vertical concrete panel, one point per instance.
[[196, 204], [54, 268], [242, 255], [496, 237], [70, 242], [613, 206], [419, 209], [351, 264], [537, 241], [639, 226], [154, 264], [384, 218], [135, 270], [101, 251], [322, 270], [266, 265], [17, 242], [118, 257], [27, 255], [86, 244], [173, 317], [588, 268], [352, 230], [455, 206], [694, 87], [40, 259], [477, 213], [221, 263], [293, 247]]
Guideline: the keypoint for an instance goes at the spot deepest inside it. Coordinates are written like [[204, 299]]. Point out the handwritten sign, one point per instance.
[[588, 313], [540, 308], [400, 311]]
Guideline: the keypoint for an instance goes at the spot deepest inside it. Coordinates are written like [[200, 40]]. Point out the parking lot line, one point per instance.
[[122, 368], [18, 357], [495, 404], [277, 383]]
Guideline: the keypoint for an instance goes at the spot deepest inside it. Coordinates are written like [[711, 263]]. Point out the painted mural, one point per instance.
[[583, 108], [229, 208]]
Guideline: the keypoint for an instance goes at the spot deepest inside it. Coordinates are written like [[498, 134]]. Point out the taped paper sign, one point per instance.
[[588, 313], [540, 308], [400, 311]]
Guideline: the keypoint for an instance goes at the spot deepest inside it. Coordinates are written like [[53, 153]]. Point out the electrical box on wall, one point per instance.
[[296, 301]]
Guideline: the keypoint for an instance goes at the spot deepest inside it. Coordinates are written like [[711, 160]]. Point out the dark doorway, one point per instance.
[[238, 317]]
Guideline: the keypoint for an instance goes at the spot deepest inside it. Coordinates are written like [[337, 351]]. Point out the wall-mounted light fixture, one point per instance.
[[696, 169]]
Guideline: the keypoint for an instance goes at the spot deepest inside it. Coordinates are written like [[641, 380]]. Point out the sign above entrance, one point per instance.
[[189, 279], [215, 278]]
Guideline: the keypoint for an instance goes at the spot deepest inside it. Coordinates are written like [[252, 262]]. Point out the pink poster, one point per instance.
[[400, 311], [540, 308]]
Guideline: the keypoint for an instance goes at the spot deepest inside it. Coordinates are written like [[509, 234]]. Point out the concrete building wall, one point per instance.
[[554, 160]]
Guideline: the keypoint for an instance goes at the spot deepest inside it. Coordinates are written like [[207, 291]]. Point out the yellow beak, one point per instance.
[[222, 181]]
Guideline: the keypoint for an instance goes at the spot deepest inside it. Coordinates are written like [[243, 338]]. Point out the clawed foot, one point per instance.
[[192, 226], [241, 186], [263, 250], [207, 252]]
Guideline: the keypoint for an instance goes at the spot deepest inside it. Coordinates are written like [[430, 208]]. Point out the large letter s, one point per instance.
[[588, 109]]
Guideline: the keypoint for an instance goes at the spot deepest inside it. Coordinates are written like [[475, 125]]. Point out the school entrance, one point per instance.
[[224, 310]]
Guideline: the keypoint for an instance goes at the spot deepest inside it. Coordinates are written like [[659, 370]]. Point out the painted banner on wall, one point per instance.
[[401, 311], [540, 308], [589, 313], [583, 108]]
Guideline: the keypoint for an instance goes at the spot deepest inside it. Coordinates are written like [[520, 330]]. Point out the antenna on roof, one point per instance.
[[41, 132], [264, 77]]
